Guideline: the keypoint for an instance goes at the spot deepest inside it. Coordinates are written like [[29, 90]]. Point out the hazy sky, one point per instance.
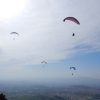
[[43, 36]]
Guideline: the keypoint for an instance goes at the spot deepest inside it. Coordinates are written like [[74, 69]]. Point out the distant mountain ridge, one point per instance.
[[84, 81]]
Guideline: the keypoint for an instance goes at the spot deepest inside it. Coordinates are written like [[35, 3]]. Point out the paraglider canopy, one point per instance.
[[14, 33], [72, 19], [43, 62], [73, 68]]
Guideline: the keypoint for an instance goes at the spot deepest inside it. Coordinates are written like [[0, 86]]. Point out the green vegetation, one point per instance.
[[2, 97]]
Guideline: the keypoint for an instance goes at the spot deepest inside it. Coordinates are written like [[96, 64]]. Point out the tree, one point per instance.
[[2, 97]]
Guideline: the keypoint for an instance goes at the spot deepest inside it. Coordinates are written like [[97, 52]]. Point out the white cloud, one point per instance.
[[44, 36]]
